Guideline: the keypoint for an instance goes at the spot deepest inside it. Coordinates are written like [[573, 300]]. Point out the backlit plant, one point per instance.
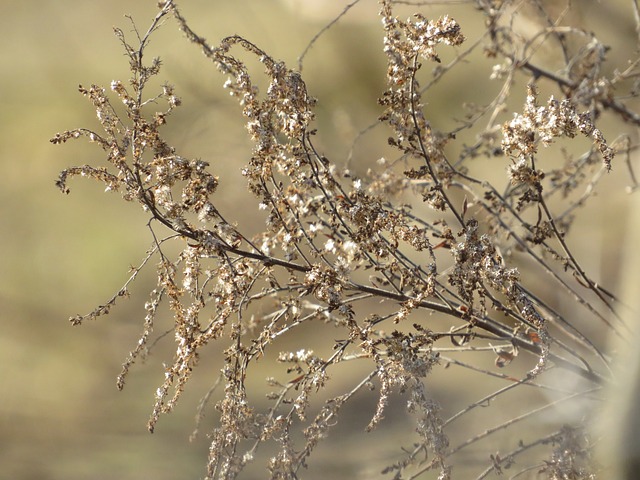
[[410, 267]]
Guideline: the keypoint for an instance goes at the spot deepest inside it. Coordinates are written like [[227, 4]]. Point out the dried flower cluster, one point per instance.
[[334, 241]]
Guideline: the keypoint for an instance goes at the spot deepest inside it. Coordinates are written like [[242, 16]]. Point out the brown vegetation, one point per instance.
[[430, 259]]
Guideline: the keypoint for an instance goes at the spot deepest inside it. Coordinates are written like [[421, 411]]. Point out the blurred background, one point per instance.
[[61, 415]]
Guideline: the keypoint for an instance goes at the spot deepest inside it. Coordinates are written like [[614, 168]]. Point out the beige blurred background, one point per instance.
[[61, 416]]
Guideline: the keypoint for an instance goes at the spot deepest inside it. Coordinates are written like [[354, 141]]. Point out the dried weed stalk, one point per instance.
[[449, 279]]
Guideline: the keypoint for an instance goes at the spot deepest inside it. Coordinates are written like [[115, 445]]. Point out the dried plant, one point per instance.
[[454, 281]]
